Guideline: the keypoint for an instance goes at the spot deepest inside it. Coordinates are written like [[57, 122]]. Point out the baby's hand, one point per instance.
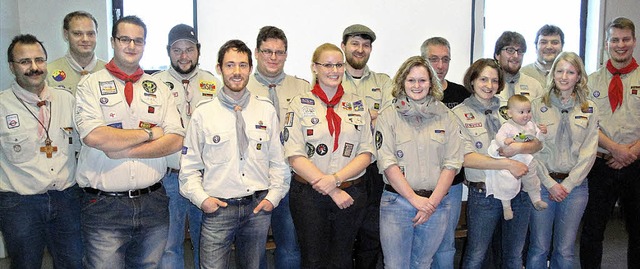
[[508, 141], [543, 128]]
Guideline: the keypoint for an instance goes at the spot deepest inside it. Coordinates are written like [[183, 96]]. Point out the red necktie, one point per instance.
[[333, 119], [128, 79], [615, 86]]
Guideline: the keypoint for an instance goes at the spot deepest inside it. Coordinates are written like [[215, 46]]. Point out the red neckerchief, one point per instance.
[[333, 120], [615, 86], [128, 79]]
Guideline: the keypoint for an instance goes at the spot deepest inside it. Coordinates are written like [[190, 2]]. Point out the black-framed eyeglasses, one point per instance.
[[436, 59], [512, 50], [125, 40], [330, 65], [268, 52]]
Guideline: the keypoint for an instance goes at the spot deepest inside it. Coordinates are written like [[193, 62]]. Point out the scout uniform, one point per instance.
[[523, 85], [374, 87], [66, 73], [536, 71], [287, 89]]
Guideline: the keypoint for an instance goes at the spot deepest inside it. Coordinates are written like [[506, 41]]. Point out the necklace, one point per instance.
[[48, 148]]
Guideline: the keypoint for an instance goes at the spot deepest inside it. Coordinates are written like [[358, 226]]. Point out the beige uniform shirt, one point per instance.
[[24, 169], [526, 86], [289, 87], [622, 126], [62, 75], [101, 102], [306, 132], [203, 85], [374, 87], [534, 71], [421, 152], [584, 135], [474, 134]]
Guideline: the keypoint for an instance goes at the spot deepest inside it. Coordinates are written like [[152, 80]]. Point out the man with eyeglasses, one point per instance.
[[509, 51], [438, 52], [39, 198], [129, 123], [79, 29], [269, 80], [375, 88], [549, 43], [233, 166], [189, 85]]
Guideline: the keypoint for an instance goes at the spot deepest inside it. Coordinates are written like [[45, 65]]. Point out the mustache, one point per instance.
[[34, 73]]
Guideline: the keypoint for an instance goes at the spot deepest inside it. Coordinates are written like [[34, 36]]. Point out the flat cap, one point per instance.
[[359, 29]]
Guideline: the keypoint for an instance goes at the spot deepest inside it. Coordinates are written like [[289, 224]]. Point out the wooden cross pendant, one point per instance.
[[48, 148]]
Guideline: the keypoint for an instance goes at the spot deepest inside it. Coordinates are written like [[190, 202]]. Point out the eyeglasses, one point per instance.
[[27, 61], [125, 41], [268, 53], [330, 65], [512, 50], [435, 59]]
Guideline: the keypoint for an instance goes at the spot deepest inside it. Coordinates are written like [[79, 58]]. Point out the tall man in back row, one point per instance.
[[270, 81], [615, 88], [375, 88], [128, 122]]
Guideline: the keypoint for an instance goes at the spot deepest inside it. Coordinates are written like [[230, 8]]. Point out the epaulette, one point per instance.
[[204, 101]]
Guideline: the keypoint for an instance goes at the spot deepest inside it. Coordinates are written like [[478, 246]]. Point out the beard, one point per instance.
[[355, 63], [182, 71]]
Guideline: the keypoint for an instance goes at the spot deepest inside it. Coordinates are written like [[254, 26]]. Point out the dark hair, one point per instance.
[[474, 71], [621, 23], [364, 36], [129, 19], [77, 14], [236, 45], [548, 30], [271, 32], [23, 39], [509, 38]]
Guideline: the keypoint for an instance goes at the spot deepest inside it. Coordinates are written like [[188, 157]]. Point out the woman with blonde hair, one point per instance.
[[412, 218], [569, 152], [328, 141]]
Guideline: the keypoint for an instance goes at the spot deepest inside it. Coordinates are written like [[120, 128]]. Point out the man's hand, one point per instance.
[[341, 198], [518, 169], [325, 184], [212, 204], [622, 154], [264, 205], [157, 132]]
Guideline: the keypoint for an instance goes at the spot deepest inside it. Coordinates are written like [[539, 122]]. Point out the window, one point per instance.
[[159, 22]]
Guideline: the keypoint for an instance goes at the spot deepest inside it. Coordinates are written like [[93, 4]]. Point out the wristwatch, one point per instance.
[[338, 181], [149, 132]]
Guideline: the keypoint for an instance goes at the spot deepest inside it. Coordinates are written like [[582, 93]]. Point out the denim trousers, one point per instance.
[[406, 246], [443, 259], [484, 216], [325, 232], [560, 220], [180, 209], [235, 224], [122, 232], [287, 253], [606, 185], [367, 252], [29, 223]]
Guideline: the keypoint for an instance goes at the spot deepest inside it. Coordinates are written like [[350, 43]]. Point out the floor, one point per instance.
[[615, 246]]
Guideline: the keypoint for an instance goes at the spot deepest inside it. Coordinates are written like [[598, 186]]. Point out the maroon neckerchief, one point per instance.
[[128, 79], [333, 120], [615, 86]]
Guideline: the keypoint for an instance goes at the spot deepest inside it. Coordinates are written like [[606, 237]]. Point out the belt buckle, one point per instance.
[[134, 193]]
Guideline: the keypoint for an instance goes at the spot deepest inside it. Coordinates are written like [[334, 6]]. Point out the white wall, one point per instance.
[[610, 9]]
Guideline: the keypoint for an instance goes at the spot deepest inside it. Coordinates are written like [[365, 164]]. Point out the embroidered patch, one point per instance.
[[208, 87], [17, 148], [315, 120], [525, 93], [376, 106], [58, 75], [117, 125], [347, 106], [149, 86], [308, 111], [358, 106], [259, 146], [309, 132], [588, 110], [310, 149], [307, 101], [12, 121], [146, 125], [322, 149], [399, 153], [439, 131], [170, 85], [478, 145], [596, 94], [184, 150], [151, 110], [544, 109], [261, 126], [175, 94], [634, 90], [473, 125], [104, 100], [348, 149], [469, 116], [288, 119], [107, 87], [375, 89], [285, 135], [216, 139], [503, 112], [378, 139], [524, 88], [580, 117]]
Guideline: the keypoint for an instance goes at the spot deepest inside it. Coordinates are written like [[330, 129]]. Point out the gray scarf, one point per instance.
[[237, 106], [271, 83], [511, 82], [563, 137], [491, 112], [414, 112]]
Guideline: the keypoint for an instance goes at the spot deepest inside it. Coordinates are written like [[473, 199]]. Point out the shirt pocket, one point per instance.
[[151, 112], [112, 109], [217, 147], [403, 147], [579, 130], [258, 144], [19, 149]]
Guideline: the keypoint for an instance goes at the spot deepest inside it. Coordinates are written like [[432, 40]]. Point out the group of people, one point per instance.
[[105, 165]]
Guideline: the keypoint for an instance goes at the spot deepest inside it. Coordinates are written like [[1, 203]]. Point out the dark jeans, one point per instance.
[[606, 185], [31, 222], [368, 251], [325, 232]]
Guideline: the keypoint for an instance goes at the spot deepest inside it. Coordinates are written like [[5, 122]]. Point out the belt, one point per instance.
[[130, 193], [342, 186], [248, 197], [423, 193], [558, 176], [480, 186], [603, 155], [174, 171]]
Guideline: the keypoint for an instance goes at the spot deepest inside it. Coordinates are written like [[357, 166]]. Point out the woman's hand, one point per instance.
[[422, 204], [517, 169], [421, 217], [558, 193]]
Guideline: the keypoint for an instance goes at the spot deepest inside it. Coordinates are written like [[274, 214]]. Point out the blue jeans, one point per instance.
[[119, 232], [284, 234], [31, 222], [325, 232], [447, 251], [235, 224], [406, 246], [180, 209], [484, 216], [560, 220]]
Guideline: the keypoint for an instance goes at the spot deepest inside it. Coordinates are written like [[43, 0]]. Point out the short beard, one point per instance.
[[357, 65], [184, 72]]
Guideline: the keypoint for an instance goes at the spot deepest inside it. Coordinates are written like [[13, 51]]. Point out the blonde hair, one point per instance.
[[580, 90], [435, 89], [316, 57]]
